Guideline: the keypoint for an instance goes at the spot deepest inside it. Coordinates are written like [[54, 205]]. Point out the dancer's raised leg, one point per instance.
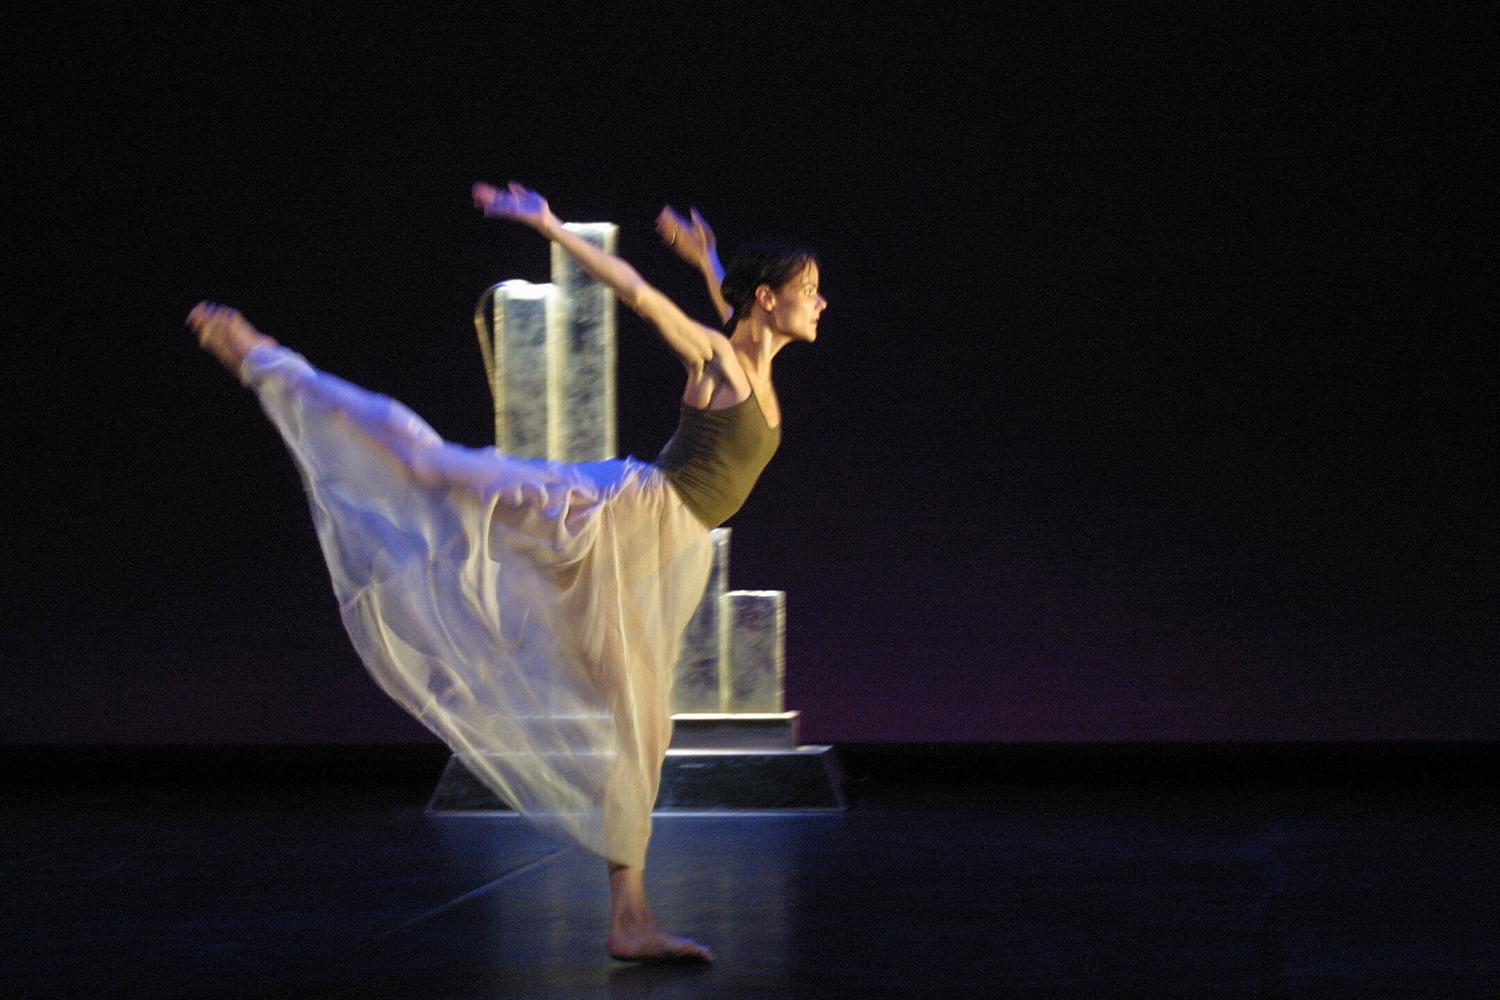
[[634, 935], [229, 337]]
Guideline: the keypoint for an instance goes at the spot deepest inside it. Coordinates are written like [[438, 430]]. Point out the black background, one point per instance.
[[1154, 400]]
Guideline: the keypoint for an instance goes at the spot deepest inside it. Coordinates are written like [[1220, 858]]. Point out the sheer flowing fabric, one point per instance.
[[529, 613]]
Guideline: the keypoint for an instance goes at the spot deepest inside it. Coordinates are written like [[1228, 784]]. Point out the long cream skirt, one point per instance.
[[529, 613]]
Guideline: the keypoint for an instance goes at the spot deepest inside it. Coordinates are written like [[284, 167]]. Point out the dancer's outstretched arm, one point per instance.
[[697, 345], [694, 242]]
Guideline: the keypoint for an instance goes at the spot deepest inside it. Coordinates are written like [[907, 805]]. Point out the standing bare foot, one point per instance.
[[225, 334], [650, 944], [633, 932]]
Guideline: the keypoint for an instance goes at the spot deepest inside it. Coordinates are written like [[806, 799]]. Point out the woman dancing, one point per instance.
[[530, 613]]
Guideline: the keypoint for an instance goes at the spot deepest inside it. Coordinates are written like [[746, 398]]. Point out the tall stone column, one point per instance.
[[699, 681], [520, 348], [549, 350], [757, 650], [585, 356]]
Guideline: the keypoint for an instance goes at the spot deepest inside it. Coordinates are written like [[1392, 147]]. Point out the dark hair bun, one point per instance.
[[756, 265]]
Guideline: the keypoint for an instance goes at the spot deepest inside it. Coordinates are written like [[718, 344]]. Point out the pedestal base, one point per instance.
[[797, 779], [734, 731]]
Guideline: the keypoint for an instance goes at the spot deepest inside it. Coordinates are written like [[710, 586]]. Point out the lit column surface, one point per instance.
[[526, 396], [757, 649], [585, 355], [698, 685]]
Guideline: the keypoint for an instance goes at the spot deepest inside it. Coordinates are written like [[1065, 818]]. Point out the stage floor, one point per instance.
[[959, 872]]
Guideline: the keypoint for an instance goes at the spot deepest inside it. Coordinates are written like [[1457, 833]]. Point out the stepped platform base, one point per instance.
[[735, 731], [796, 779]]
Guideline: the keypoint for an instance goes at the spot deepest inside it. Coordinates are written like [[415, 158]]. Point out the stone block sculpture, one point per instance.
[[549, 351]]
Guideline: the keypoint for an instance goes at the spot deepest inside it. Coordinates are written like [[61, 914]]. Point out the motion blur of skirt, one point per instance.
[[529, 613]]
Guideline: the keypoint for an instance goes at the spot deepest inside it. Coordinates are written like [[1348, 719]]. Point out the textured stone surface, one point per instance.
[[585, 353], [699, 681], [524, 391], [550, 349], [757, 644]]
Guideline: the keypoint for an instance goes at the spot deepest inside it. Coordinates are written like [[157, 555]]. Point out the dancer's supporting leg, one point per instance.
[[630, 792], [634, 934]]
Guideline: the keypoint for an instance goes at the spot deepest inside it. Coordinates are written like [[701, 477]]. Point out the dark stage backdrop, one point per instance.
[[1154, 401]]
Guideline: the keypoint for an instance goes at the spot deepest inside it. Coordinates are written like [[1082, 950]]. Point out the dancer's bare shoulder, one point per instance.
[[719, 384]]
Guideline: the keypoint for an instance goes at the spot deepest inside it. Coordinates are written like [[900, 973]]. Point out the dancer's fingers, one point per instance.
[[206, 316], [205, 313], [669, 224], [700, 225]]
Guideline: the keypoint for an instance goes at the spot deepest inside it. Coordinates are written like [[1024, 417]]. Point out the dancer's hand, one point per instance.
[[691, 238], [694, 242], [514, 202], [225, 334]]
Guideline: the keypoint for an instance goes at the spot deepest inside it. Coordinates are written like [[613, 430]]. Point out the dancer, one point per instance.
[[527, 612]]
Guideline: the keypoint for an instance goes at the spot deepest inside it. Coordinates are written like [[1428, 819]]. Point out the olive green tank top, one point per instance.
[[716, 456]]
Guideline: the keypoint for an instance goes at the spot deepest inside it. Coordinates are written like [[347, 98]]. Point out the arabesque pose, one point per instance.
[[527, 612]]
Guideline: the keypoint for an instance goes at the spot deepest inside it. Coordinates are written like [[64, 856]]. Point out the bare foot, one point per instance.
[[651, 944], [634, 935], [225, 334]]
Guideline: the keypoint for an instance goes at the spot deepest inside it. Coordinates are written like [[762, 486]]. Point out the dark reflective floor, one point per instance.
[[1031, 873]]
